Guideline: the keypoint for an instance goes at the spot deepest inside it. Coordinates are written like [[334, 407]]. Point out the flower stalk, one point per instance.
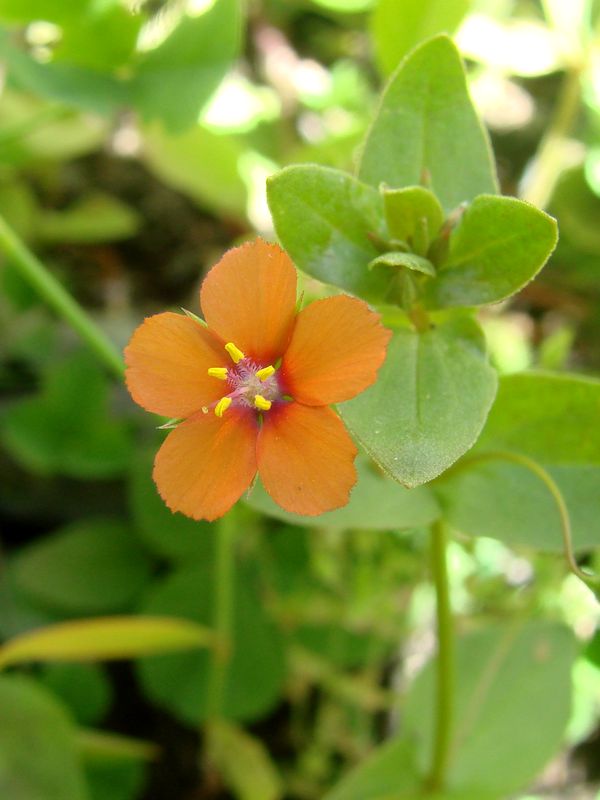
[[444, 706], [58, 298], [223, 615]]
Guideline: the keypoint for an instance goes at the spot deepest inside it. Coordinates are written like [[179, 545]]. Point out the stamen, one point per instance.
[[265, 372], [218, 372], [222, 406], [235, 353], [261, 403]]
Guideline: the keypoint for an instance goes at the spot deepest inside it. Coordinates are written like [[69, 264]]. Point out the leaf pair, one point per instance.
[[421, 208]]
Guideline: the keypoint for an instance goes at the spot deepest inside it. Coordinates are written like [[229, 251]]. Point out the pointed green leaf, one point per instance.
[[498, 246], [327, 221], [429, 403], [552, 418], [426, 130], [105, 638]]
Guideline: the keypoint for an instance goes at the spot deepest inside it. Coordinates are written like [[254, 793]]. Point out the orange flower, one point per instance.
[[253, 388]]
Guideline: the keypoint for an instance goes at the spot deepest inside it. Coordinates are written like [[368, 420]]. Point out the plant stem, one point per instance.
[[565, 523], [550, 158], [445, 661], [223, 614], [36, 274]]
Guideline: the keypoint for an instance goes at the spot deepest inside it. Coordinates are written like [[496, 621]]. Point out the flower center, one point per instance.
[[252, 385]]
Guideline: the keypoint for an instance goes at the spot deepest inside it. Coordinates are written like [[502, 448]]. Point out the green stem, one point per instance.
[[223, 614], [550, 158], [36, 274], [553, 488], [445, 661]]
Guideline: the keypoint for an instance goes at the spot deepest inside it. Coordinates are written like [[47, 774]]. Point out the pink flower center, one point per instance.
[[252, 385]]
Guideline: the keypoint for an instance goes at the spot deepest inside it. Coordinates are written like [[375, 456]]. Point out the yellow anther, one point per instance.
[[218, 372], [265, 372], [235, 353], [261, 403], [222, 406]]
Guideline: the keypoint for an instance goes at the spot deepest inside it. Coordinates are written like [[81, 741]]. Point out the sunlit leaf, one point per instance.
[[105, 638]]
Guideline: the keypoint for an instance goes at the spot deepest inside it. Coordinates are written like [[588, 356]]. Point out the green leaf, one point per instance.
[[390, 772], [243, 762], [37, 742], [376, 502], [510, 503], [90, 566], [201, 164], [548, 417], [83, 688], [74, 86], [512, 704], [577, 207], [104, 38], [169, 535], [115, 781], [399, 25], [94, 218], [66, 429], [59, 11], [426, 130], [256, 670], [174, 80], [327, 221], [405, 208], [429, 403], [498, 246], [105, 638], [408, 260], [35, 129]]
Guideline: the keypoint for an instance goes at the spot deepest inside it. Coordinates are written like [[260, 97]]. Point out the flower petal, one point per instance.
[[167, 361], [337, 346], [207, 463], [306, 458], [249, 298]]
